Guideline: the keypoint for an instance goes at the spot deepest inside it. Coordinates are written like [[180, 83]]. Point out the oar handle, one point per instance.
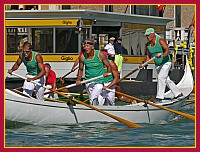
[[82, 82], [69, 73], [143, 65], [15, 74]]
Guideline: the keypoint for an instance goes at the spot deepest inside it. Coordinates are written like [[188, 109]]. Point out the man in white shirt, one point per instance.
[[110, 49]]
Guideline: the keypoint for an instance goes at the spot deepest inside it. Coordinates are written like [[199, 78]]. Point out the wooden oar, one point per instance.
[[74, 84], [126, 122], [78, 94], [143, 65], [62, 81], [82, 82], [68, 73], [86, 100], [158, 106], [190, 100], [55, 100]]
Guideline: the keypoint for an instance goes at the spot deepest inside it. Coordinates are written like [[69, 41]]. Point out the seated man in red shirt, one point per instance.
[[50, 80]]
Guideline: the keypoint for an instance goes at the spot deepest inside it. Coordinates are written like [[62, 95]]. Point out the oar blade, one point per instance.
[[191, 117], [126, 122]]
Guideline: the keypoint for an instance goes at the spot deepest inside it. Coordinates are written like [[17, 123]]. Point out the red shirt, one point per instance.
[[160, 7], [51, 78]]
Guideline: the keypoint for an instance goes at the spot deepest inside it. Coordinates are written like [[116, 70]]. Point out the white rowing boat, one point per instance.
[[32, 111]]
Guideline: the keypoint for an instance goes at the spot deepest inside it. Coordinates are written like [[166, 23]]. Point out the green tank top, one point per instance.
[[31, 66], [157, 48], [94, 67], [110, 77]]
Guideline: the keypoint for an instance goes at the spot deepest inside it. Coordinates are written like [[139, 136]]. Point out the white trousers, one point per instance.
[[94, 89], [163, 80], [107, 96], [29, 87]]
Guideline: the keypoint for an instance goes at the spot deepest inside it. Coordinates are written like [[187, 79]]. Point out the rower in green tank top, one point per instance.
[[94, 62], [35, 71], [158, 47], [94, 67], [31, 66]]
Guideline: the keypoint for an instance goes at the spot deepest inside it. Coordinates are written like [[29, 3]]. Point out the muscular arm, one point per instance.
[[80, 70], [114, 73], [104, 59], [75, 64], [165, 47], [39, 60], [16, 65]]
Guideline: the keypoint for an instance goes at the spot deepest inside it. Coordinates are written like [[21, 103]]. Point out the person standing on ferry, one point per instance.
[[157, 46], [110, 49], [35, 71]]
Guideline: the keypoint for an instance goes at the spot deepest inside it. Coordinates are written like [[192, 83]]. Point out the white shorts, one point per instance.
[[29, 87], [107, 96], [94, 89]]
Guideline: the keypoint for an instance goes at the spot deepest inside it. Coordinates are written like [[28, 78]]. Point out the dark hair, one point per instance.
[[88, 41], [47, 64], [28, 44], [119, 39]]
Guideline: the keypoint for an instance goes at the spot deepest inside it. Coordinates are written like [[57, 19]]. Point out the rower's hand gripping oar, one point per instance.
[[158, 106], [143, 65], [126, 122], [82, 82]]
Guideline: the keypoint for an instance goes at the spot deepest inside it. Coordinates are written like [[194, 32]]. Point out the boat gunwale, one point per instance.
[[130, 107]]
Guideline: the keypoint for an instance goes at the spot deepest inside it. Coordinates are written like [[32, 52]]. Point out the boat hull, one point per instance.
[[32, 111]]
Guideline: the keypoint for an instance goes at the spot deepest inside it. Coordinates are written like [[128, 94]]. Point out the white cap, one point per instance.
[[112, 39]]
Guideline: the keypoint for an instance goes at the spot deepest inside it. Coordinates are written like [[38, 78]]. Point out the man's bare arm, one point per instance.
[[165, 47], [16, 65], [80, 70], [104, 59], [114, 70]]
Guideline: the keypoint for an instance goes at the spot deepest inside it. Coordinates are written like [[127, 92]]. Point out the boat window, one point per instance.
[[108, 8], [149, 10], [30, 7], [65, 7], [42, 40], [15, 38], [66, 40]]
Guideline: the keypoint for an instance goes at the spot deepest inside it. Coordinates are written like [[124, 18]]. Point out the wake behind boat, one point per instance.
[[32, 111]]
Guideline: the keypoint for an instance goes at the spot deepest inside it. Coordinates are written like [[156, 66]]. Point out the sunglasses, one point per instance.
[[90, 43], [26, 51]]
